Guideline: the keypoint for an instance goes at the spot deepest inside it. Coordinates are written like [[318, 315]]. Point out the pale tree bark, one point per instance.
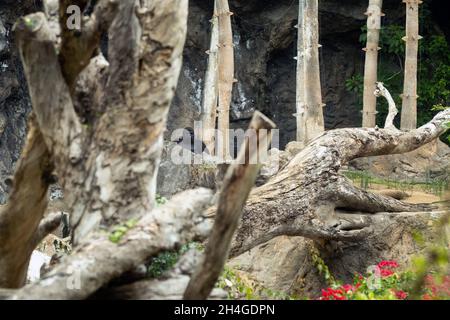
[[302, 198], [226, 77], [210, 90], [170, 286], [145, 60], [309, 96], [409, 96], [381, 91], [108, 167], [371, 65], [20, 217], [100, 260], [236, 186]]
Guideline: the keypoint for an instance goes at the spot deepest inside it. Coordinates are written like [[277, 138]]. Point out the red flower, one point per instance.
[[427, 297], [402, 295], [332, 294], [388, 264], [386, 273]]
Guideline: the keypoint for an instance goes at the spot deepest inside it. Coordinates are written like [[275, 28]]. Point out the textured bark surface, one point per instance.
[[21, 216], [302, 198], [309, 109], [409, 103], [286, 264], [110, 163], [210, 90], [170, 286], [371, 65], [99, 260], [145, 61], [226, 76]]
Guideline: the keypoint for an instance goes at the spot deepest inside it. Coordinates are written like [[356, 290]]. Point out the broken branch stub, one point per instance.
[[238, 181]]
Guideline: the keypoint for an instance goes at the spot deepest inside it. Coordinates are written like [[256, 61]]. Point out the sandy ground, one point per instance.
[[411, 196]]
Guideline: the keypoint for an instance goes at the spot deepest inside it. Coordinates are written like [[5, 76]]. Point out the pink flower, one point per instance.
[[348, 287]]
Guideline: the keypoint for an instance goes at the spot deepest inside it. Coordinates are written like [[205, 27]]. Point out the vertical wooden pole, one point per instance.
[[310, 110], [226, 75], [371, 65], [409, 96], [210, 90]]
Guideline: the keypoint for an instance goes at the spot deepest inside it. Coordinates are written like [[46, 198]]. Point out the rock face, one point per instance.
[[428, 163], [14, 100], [265, 46], [174, 177], [285, 263]]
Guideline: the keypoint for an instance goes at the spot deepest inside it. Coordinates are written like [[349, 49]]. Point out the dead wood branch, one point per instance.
[[238, 181], [98, 260]]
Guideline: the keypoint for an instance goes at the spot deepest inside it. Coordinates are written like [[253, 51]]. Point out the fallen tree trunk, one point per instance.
[[301, 200]]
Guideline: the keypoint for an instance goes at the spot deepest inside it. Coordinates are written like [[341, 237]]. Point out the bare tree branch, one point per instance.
[[79, 45], [54, 111], [46, 226], [19, 218], [98, 260], [238, 181], [170, 286], [393, 111]]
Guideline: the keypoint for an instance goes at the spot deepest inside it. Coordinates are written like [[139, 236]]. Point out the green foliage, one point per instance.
[[427, 279], [160, 200], [167, 259], [121, 229], [355, 84], [433, 68], [322, 267]]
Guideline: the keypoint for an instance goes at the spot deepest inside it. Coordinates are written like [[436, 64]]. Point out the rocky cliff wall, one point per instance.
[[264, 38]]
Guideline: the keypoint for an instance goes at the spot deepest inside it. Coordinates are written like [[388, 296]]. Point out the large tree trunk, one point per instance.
[[226, 77], [409, 96], [310, 122], [371, 65], [210, 90], [108, 166], [301, 200]]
